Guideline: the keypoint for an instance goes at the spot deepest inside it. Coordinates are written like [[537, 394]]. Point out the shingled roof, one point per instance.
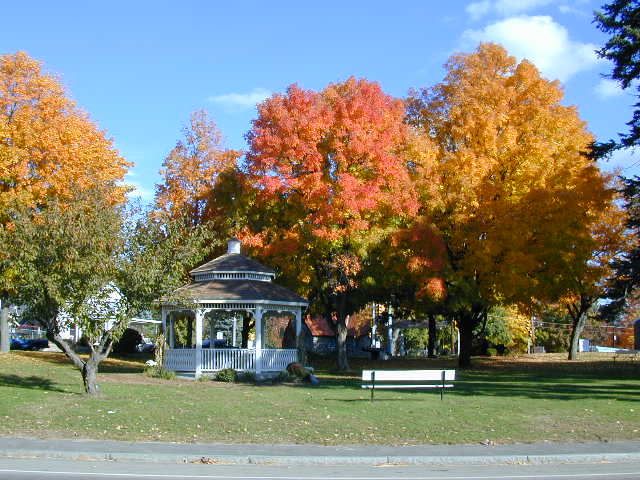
[[240, 290], [232, 262]]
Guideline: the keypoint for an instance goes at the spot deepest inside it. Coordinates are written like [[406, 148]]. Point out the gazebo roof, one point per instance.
[[232, 262], [241, 291], [235, 278]]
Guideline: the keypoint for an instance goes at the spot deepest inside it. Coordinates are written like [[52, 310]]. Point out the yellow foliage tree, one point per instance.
[[505, 181], [192, 169], [48, 146]]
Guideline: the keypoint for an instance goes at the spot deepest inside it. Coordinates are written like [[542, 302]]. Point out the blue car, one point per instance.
[[29, 343]]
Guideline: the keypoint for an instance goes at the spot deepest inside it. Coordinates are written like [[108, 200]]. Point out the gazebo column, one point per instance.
[[258, 318], [199, 318], [299, 341], [171, 334]]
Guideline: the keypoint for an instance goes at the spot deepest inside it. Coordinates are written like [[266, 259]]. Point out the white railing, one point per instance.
[[218, 358], [180, 359], [278, 359], [214, 359]]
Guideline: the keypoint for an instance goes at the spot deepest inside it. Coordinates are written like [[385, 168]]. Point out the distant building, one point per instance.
[[321, 339]]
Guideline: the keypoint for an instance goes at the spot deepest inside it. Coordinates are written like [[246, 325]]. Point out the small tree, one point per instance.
[[82, 263]]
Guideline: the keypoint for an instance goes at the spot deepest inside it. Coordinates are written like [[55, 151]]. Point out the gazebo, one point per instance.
[[228, 286]]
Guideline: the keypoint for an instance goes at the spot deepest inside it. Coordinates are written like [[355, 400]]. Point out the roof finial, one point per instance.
[[233, 245]]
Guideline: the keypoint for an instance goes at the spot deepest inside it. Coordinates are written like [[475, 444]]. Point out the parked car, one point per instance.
[[146, 346], [29, 343], [216, 344]]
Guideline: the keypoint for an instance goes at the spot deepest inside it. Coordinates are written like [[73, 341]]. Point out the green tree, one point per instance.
[[621, 19], [83, 262]]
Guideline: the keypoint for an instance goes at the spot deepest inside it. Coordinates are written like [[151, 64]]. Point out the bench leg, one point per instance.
[[442, 388]]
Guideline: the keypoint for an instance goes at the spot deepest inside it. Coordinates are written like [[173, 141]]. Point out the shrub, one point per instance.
[[492, 352], [128, 342], [228, 375], [284, 376], [246, 377], [159, 372]]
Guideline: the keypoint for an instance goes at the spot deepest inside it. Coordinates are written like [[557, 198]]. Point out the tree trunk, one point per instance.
[[576, 330], [578, 313], [5, 343], [431, 345], [395, 336], [302, 351], [89, 368], [90, 376], [189, 341], [247, 324], [341, 345], [467, 322]]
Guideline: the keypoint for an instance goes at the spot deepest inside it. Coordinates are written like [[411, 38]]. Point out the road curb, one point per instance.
[[324, 459]]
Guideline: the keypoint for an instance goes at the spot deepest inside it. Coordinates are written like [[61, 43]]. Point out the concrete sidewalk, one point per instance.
[[539, 453]]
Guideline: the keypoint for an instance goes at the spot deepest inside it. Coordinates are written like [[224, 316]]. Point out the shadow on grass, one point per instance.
[[550, 390], [110, 365], [32, 383], [600, 381]]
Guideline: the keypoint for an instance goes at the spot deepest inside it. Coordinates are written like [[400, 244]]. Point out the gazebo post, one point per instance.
[[172, 341], [199, 316], [298, 313], [258, 317], [302, 357]]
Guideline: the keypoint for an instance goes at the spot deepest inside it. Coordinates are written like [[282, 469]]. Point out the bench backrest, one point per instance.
[[410, 375]]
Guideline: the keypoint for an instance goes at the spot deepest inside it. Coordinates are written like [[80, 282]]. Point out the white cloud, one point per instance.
[[608, 88], [503, 7], [243, 100], [540, 40]]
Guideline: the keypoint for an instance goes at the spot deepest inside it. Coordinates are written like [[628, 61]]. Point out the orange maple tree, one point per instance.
[[505, 181], [48, 146], [192, 169], [330, 178]]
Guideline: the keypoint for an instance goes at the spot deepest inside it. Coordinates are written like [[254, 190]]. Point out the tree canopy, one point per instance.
[[506, 181], [330, 180], [48, 146], [621, 19]]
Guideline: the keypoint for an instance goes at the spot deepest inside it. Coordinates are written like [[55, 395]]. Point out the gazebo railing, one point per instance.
[[180, 359], [214, 359], [278, 359]]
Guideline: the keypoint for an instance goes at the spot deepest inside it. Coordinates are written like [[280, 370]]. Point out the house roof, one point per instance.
[[239, 290], [232, 262]]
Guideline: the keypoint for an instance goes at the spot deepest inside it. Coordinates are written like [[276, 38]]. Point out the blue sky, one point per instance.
[[140, 68]]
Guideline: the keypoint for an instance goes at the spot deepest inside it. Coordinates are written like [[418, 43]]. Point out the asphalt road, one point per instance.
[[51, 469]]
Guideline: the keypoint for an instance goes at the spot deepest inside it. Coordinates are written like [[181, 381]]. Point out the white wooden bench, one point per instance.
[[382, 378]]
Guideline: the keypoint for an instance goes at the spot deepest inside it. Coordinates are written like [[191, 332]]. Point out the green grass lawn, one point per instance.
[[502, 400]]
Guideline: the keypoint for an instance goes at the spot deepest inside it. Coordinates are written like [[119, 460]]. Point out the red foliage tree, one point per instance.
[[331, 180]]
